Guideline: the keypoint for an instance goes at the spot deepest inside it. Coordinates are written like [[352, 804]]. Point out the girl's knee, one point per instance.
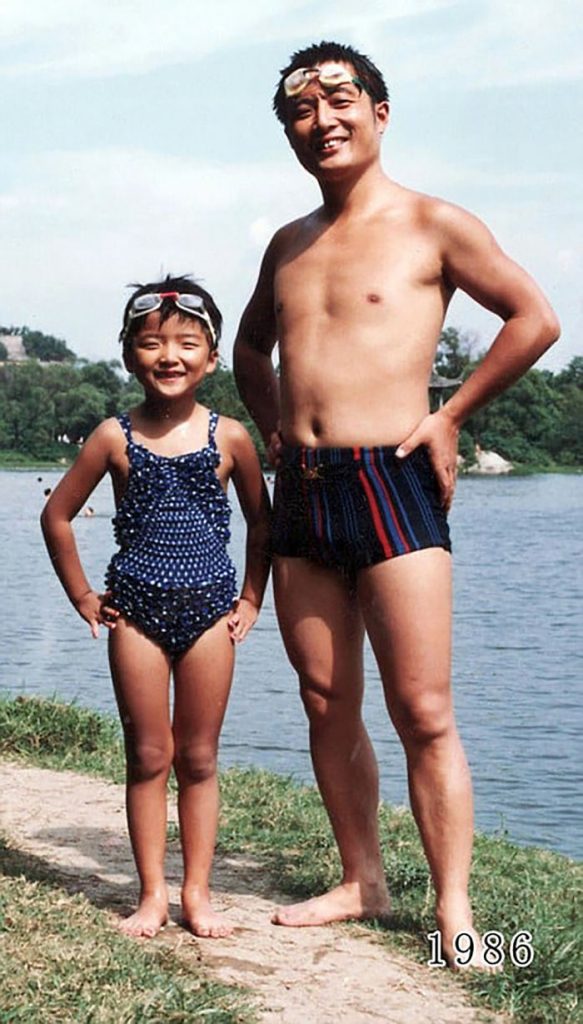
[[148, 760], [195, 762]]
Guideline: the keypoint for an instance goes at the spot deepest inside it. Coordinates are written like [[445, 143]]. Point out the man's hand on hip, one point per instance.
[[440, 435]]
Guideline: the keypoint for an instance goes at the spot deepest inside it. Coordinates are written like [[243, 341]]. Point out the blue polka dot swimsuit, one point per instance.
[[172, 576]]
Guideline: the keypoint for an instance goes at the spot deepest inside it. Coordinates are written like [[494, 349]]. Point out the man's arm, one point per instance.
[[255, 341], [474, 262]]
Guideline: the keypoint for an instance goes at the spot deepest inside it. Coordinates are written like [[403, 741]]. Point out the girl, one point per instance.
[[170, 604]]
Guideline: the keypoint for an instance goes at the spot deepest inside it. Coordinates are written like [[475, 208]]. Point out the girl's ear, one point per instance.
[[128, 360], [212, 361]]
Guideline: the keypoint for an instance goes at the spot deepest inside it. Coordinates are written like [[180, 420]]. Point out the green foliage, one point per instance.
[[3, 352], [537, 422], [466, 446], [454, 353], [219, 391], [44, 346]]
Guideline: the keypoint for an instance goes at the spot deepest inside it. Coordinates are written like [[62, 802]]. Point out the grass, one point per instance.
[[513, 888], [61, 736], [12, 459], [60, 961]]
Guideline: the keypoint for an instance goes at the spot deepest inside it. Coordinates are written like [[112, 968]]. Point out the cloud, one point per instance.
[[83, 38], [79, 225], [498, 42]]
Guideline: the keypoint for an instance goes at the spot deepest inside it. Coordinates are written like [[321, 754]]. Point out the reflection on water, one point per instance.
[[518, 547]]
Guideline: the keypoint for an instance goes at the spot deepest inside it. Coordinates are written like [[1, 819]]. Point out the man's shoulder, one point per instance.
[[288, 233], [428, 210]]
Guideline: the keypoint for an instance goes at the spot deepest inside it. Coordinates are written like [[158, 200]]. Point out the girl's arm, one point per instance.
[[256, 508], [63, 505]]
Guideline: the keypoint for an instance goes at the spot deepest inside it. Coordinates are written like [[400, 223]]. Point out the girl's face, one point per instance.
[[170, 359]]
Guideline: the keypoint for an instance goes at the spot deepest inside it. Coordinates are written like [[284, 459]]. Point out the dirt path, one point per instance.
[[335, 975]]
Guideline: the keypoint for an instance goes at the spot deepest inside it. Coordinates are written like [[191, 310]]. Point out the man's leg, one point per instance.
[[323, 634], [406, 606]]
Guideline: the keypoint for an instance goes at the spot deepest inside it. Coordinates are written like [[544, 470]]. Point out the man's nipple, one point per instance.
[[373, 297]]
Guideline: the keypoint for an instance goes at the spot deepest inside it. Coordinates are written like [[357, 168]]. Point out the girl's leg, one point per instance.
[[202, 679], [140, 671]]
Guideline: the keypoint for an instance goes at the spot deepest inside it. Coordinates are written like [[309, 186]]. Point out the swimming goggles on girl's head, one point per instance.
[[186, 301], [329, 76]]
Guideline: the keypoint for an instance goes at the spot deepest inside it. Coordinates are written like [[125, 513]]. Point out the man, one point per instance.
[[356, 293]]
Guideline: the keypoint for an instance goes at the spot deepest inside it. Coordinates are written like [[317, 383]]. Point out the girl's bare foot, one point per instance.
[[200, 918], [346, 901], [148, 919]]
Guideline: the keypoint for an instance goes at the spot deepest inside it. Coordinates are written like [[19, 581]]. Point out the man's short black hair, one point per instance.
[[183, 284], [316, 54]]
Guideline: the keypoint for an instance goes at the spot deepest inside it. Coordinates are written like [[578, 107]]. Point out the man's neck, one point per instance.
[[354, 195]]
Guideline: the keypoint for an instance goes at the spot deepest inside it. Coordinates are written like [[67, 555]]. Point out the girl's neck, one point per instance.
[[157, 410]]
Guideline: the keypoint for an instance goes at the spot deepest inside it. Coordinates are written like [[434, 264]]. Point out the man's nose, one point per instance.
[[325, 115]]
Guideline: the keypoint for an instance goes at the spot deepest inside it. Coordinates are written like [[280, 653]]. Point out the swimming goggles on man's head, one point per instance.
[[186, 301], [329, 76]]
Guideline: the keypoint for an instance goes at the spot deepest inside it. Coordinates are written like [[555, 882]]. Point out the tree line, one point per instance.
[[537, 422]]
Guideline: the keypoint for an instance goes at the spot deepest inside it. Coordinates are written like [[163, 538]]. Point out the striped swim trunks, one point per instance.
[[348, 508]]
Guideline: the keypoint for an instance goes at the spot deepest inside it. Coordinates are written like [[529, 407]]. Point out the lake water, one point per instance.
[[518, 672]]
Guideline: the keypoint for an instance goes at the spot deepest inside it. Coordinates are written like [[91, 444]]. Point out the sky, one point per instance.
[[139, 138]]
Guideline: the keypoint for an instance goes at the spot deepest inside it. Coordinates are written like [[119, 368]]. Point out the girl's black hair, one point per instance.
[[184, 283]]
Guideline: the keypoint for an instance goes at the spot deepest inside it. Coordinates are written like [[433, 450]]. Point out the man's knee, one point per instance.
[[326, 700], [423, 719]]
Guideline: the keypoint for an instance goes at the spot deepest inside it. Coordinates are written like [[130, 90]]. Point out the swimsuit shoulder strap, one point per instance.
[[124, 421], [213, 420]]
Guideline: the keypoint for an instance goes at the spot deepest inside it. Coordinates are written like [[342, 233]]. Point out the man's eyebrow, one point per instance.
[[296, 101]]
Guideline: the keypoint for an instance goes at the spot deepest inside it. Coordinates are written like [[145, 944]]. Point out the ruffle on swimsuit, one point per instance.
[[172, 576]]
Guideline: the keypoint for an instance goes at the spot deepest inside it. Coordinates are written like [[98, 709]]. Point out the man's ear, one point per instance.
[[382, 115]]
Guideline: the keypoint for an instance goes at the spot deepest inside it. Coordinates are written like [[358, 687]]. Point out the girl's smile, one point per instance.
[[174, 353]]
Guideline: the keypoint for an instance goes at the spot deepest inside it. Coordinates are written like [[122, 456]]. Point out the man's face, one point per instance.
[[337, 128]]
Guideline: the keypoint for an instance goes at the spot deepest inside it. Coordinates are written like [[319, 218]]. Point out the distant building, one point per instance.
[[15, 347], [439, 384]]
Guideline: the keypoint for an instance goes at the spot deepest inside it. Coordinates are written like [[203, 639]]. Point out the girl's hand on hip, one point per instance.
[[97, 610], [241, 619]]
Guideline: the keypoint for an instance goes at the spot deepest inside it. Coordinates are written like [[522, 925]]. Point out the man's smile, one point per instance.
[[329, 145]]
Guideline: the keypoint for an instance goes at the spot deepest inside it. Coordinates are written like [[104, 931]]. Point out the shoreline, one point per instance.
[[281, 826], [33, 466]]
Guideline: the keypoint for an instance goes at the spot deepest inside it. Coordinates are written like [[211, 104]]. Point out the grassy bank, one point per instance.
[[265, 815], [60, 961], [19, 460]]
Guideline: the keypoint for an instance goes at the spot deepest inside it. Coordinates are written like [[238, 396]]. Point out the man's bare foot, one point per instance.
[[468, 953], [148, 919], [347, 901], [200, 918]]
